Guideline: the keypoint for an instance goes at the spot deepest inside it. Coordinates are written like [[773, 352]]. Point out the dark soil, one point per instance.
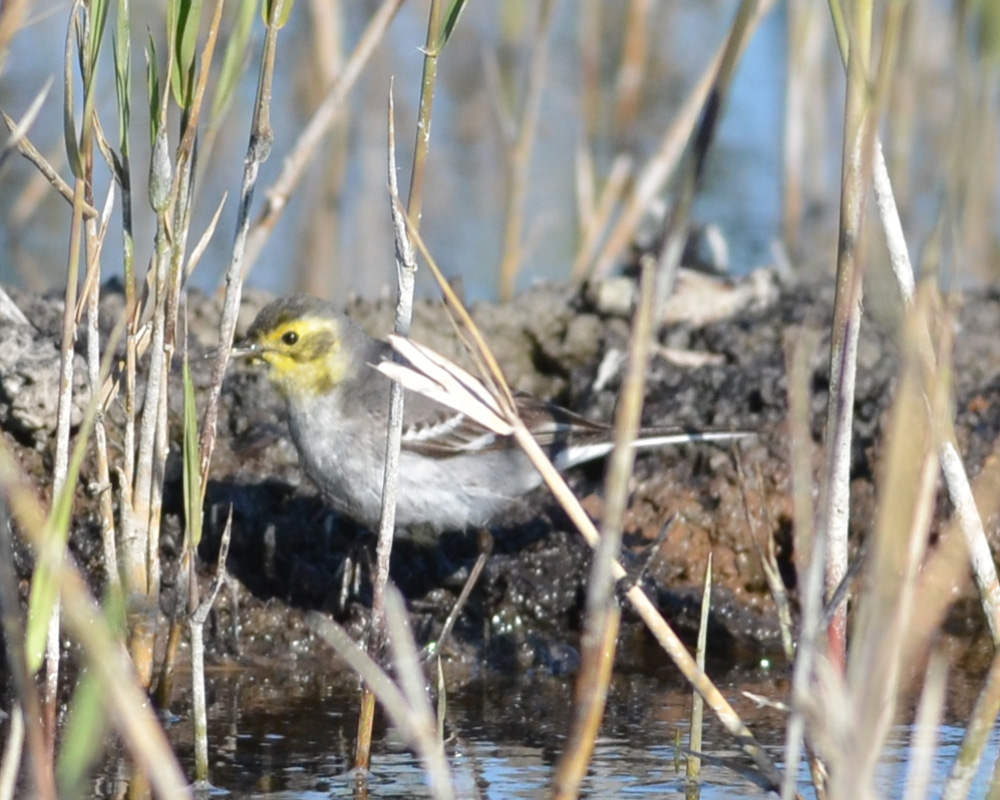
[[289, 549]]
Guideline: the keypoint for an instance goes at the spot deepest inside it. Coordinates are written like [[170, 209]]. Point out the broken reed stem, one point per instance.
[[296, 162], [196, 630], [519, 155]]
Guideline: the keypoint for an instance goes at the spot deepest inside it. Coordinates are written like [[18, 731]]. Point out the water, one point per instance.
[[291, 735], [463, 216]]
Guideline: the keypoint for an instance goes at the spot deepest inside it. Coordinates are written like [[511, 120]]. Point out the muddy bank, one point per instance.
[[289, 549]]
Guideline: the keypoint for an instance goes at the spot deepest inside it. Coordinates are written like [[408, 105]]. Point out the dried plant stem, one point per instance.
[[693, 765], [897, 550], [845, 331], [196, 630], [106, 507], [590, 65], [406, 270], [297, 160], [136, 536], [519, 154], [405, 273], [656, 278], [632, 70], [12, 750], [28, 150], [809, 556], [61, 461], [407, 705], [258, 149], [804, 49], [645, 608], [920, 759], [590, 697], [660, 167], [977, 732]]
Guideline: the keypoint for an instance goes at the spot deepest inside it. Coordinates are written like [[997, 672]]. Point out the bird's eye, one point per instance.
[[289, 337]]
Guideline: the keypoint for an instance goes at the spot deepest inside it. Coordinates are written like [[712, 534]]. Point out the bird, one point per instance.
[[454, 474]]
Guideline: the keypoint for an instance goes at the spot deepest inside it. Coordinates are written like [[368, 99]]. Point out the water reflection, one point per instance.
[[291, 736]]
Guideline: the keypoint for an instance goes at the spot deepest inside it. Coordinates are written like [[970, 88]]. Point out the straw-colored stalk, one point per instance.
[[438, 30], [407, 704], [519, 152], [299, 157], [693, 761]]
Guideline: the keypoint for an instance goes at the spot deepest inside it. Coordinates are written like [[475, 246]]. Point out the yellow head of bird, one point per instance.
[[301, 340]]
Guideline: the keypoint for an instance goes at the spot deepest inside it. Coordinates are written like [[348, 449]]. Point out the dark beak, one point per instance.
[[245, 349]]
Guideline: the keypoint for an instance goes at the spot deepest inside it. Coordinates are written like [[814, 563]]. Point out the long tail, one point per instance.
[[582, 453]]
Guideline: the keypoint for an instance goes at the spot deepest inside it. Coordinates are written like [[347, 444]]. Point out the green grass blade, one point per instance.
[[267, 11], [153, 89], [184, 18], [451, 20], [83, 737], [235, 60]]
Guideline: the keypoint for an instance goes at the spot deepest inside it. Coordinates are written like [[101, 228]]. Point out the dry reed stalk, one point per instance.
[[859, 127], [693, 760], [808, 556], [439, 28], [589, 698], [590, 65], [653, 176], [804, 27], [632, 69], [519, 151], [295, 163], [961, 494], [887, 605], [406, 705], [920, 758], [318, 268], [405, 274]]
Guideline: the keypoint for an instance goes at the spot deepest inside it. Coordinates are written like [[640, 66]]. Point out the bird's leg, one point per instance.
[[485, 541]]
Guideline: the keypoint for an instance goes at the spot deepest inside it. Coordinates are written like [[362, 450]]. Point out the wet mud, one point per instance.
[[291, 553]]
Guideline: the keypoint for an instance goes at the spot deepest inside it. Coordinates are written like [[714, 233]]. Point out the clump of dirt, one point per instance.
[[292, 554]]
